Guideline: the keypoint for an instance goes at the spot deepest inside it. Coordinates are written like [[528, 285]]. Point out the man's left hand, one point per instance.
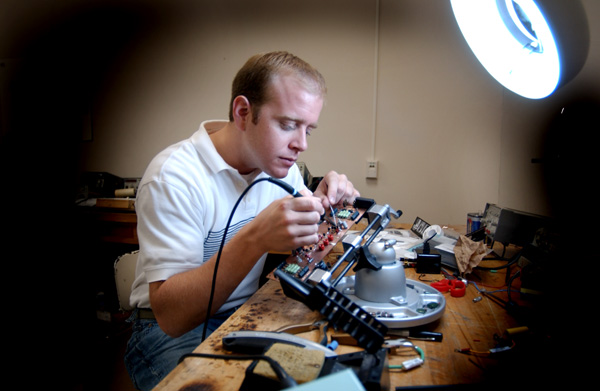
[[335, 189]]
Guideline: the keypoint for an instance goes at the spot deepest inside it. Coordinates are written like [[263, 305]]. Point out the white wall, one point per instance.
[[404, 89], [438, 117]]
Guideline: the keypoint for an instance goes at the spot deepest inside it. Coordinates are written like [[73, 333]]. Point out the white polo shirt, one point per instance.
[[183, 203]]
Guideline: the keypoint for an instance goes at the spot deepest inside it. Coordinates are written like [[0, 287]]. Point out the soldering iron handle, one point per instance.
[[287, 187]]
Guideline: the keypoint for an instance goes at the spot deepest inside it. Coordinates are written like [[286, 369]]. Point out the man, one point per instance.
[[186, 198]]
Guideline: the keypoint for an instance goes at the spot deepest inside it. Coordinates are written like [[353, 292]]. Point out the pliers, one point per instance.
[[320, 325]]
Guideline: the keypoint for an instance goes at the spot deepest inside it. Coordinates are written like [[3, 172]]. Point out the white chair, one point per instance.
[[124, 276]]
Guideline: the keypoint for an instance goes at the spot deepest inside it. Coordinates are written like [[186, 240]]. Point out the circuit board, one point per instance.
[[333, 226]]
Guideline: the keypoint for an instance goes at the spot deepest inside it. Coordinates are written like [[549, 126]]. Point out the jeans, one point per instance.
[[151, 354]]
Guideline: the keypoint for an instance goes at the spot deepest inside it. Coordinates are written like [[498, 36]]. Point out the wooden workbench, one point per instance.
[[465, 324]]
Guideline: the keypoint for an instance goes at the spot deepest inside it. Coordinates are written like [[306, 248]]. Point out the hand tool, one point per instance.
[[345, 339], [417, 334], [258, 341], [320, 325]]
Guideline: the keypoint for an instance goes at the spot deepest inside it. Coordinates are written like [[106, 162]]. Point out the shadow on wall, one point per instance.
[[569, 161], [53, 63]]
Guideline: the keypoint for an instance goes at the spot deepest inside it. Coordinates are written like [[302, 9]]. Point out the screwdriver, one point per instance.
[[346, 339], [415, 334]]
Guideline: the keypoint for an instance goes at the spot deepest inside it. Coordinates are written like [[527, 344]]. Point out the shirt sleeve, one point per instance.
[[170, 230]]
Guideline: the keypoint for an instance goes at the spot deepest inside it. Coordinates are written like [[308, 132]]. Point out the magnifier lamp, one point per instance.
[[531, 47]]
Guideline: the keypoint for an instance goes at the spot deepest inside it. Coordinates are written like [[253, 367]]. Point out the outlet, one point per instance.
[[372, 169]]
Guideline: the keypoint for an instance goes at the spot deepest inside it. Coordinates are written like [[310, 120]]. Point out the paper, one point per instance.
[[468, 254]]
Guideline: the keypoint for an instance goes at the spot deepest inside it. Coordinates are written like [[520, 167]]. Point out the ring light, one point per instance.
[[531, 47]]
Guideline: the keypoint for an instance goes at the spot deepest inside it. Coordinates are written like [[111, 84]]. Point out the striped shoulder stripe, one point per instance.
[[213, 240]]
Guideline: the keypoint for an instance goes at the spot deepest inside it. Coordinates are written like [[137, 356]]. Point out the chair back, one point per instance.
[[124, 276]]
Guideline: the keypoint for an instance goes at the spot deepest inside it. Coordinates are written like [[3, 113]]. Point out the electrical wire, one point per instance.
[[506, 304], [501, 257], [486, 353], [406, 365], [511, 261], [284, 378], [422, 278], [279, 183]]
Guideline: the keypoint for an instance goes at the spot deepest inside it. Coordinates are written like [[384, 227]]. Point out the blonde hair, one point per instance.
[[254, 78]]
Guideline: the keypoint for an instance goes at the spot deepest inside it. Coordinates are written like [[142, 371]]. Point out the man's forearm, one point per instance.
[[181, 303]]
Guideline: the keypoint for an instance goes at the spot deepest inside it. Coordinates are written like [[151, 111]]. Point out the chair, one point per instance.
[[124, 276]]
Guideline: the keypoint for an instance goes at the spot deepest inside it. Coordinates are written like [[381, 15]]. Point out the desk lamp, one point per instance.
[[531, 47]]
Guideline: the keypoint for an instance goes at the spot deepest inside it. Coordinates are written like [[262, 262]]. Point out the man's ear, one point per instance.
[[242, 112]]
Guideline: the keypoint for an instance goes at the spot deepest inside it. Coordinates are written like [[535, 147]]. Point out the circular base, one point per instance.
[[422, 305]]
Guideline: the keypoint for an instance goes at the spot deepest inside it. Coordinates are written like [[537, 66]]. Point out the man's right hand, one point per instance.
[[289, 223]]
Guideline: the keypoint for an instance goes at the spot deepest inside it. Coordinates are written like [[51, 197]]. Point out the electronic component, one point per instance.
[[429, 263], [304, 261], [509, 226]]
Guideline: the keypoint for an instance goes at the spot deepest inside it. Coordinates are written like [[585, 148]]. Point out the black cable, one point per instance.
[[500, 257], [286, 380], [510, 281], [278, 182], [511, 261]]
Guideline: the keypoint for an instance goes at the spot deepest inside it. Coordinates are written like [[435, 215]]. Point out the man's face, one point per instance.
[[284, 122]]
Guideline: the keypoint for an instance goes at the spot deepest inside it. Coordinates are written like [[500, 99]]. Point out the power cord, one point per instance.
[[279, 183]]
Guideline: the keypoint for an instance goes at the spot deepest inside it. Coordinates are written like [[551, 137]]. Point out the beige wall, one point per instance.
[[403, 90]]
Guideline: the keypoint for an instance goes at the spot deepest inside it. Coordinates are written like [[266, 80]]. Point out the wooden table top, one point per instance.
[[465, 324]]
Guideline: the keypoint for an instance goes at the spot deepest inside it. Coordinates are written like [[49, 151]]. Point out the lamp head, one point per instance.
[[532, 47]]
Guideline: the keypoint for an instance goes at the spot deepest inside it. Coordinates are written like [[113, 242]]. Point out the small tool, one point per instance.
[[416, 334], [253, 342], [398, 343], [320, 325], [346, 339]]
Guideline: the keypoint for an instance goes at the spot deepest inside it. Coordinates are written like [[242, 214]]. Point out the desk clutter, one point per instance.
[[422, 305], [381, 334], [374, 305], [405, 357], [105, 190]]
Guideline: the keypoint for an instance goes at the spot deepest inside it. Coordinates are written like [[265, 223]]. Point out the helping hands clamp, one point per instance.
[[378, 216]]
